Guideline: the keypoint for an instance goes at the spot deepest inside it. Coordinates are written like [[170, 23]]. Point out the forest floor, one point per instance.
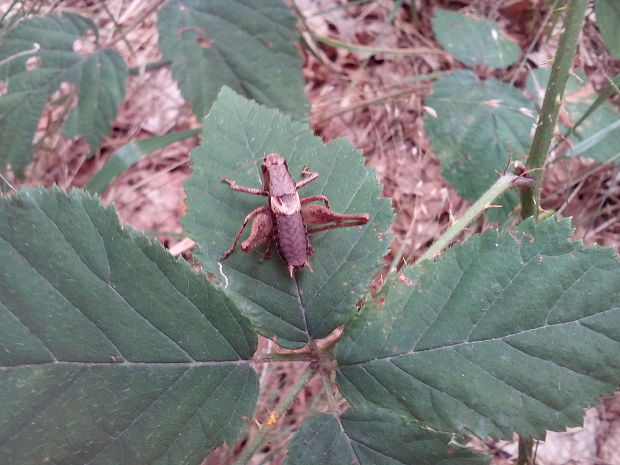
[[367, 97]]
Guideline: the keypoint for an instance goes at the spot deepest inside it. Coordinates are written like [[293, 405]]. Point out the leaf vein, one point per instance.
[[137, 417], [44, 410]]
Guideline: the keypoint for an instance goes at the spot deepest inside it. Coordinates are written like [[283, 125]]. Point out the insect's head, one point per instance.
[[271, 160]]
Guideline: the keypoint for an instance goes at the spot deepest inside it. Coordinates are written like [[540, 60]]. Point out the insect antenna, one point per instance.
[[206, 191], [244, 167], [293, 137]]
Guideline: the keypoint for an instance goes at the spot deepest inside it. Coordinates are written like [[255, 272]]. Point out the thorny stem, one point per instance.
[[280, 409], [530, 197], [504, 183]]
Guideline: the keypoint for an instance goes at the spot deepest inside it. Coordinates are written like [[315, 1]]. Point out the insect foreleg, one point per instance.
[[311, 176], [248, 190]]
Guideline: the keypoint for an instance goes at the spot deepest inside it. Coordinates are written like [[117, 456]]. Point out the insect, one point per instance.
[[286, 218]]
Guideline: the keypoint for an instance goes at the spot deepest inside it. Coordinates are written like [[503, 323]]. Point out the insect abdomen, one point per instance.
[[291, 238]]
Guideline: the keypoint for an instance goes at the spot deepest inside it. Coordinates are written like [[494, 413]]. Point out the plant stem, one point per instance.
[[504, 183], [526, 445], [530, 198], [280, 409]]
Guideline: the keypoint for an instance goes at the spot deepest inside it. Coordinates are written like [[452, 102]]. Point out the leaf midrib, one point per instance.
[[484, 341]]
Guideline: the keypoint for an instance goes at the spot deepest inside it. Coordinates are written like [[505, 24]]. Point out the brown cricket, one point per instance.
[[286, 217]]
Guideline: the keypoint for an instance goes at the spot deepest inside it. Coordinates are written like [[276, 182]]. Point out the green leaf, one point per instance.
[[474, 40], [608, 20], [370, 436], [111, 351], [504, 333], [598, 136], [594, 130], [100, 76], [235, 134], [478, 127], [246, 45], [130, 154]]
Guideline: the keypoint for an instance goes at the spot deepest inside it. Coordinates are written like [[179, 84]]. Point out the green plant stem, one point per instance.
[[504, 183], [280, 409], [530, 198]]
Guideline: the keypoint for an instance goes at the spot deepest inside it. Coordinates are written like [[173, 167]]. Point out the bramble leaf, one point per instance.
[[370, 436], [245, 45], [607, 19], [594, 122], [100, 77], [112, 352], [474, 40], [478, 127], [504, 333], [236, 134]]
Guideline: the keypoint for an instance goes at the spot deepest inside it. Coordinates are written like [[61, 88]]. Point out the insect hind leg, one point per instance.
[[318, 215], [260, 210]]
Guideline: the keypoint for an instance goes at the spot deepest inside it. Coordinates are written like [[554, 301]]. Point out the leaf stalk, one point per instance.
[[505, 182]]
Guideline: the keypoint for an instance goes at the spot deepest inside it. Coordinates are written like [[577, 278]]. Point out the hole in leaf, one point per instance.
[[203, 41], [86, 44], [200, 36], [33, 63], [57, 107]]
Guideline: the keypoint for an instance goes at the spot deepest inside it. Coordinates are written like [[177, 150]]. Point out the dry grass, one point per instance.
[[339, 83]]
